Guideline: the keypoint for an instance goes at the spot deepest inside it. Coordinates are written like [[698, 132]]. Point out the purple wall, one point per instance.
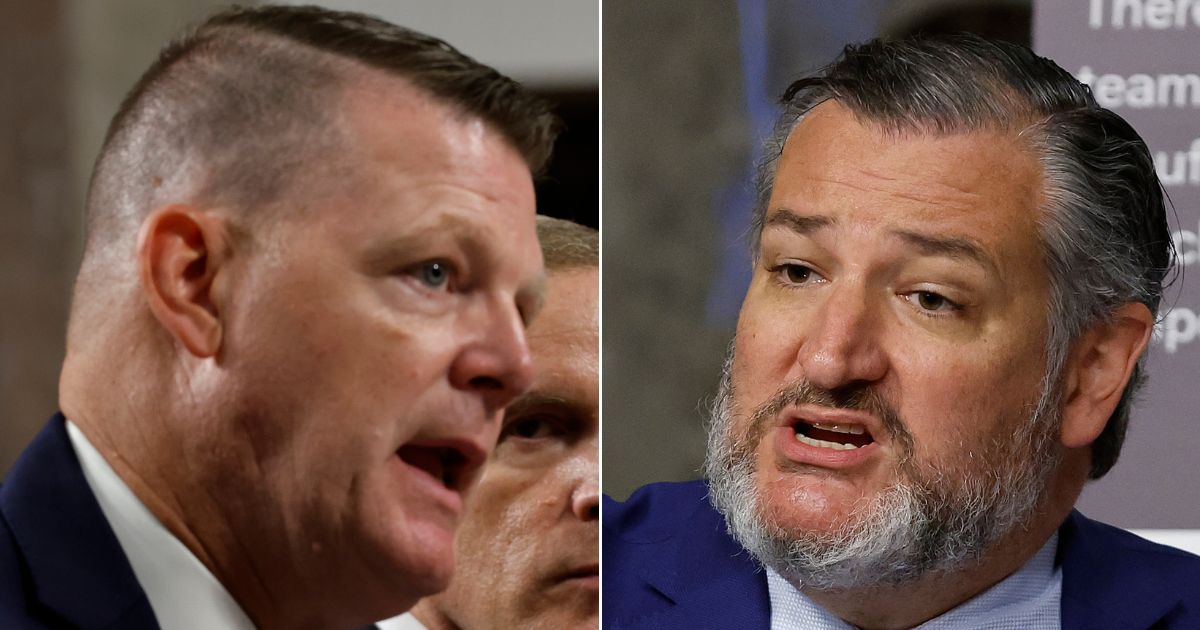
[[1142, 59]]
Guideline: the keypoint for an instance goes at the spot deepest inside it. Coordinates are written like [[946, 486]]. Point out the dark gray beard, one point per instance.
[[933, 518]]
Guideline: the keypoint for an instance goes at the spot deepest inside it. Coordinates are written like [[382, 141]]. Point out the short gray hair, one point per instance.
[[567, 246], [1103, 229]]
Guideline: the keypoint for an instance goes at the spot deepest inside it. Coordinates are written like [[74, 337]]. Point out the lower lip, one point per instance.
[[425, 483], [790, 448]]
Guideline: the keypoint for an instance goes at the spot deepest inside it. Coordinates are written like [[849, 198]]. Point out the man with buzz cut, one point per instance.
[[958, 262], [310, 261]]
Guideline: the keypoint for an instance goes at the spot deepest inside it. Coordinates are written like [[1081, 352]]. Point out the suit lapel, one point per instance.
[[76, 565], [712, 581], [703, 579]]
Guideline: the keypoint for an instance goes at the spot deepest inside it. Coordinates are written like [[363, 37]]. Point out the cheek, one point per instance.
[[758, 362], [768, 343], [497, 546], [344, 352], [987, 397], [325, 385], [500, 514]]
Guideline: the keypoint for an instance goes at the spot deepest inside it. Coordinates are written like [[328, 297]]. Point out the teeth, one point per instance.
[[823, 444], [852, 429]]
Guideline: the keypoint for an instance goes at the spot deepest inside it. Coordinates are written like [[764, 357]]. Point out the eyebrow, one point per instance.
[[801, 224], [383, 254], [955, 247], [538, 400], [947, 246]]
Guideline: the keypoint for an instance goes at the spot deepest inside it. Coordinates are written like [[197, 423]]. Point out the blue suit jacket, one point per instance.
[[670, 563], [60, 563]]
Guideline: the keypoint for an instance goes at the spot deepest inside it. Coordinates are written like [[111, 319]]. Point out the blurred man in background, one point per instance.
[[310, 260], [528, 545], [958, 262]]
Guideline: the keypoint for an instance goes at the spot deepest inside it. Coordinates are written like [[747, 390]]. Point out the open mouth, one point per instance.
[[444, 463], [839, 437]]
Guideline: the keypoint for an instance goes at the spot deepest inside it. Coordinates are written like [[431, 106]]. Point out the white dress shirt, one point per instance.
[[403, 622], [182, 592]]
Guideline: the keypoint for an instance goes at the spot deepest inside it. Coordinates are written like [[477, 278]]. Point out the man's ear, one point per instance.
[[180, 251], [1099, 366]]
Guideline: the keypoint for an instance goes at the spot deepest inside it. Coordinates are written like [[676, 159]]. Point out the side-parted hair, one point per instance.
[[567, 246], [1103, 228]]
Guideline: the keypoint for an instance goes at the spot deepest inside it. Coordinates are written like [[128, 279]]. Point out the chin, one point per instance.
[[795, 503], [417, 559], [431, 569]]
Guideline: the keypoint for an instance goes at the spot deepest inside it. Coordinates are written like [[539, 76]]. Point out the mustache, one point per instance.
[[857, 398]]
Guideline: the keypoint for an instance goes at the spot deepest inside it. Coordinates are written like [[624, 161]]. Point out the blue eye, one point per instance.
[[434, 274]]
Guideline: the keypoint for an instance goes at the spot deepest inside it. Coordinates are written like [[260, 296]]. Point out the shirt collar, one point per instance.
[[403, 622], [182, 591], [1028, 598]]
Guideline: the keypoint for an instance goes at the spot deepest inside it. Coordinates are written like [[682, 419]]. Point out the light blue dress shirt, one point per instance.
[[1026, 600]]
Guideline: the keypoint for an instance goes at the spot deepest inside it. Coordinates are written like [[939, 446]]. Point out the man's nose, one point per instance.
[[843, 340], [585, 497], [495, 363]]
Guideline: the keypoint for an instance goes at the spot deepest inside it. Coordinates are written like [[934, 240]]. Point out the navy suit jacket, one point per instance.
[[60, 563], [670, 563]]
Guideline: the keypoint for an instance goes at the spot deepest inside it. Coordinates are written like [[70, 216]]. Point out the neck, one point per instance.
[[157, 448], [894, 607]]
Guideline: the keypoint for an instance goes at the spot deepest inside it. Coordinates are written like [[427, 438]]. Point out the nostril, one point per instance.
[[486, 383], [585, 502]]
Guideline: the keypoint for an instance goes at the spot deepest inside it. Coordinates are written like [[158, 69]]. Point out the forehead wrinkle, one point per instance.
[[573, 333], [958, 198], [841, 182], [922, 188], [872, 173]]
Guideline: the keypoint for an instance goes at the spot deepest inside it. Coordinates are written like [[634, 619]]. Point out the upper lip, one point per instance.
[[817, 414]]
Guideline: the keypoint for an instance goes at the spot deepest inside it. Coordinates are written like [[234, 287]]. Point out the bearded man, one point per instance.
[[958, 262]]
